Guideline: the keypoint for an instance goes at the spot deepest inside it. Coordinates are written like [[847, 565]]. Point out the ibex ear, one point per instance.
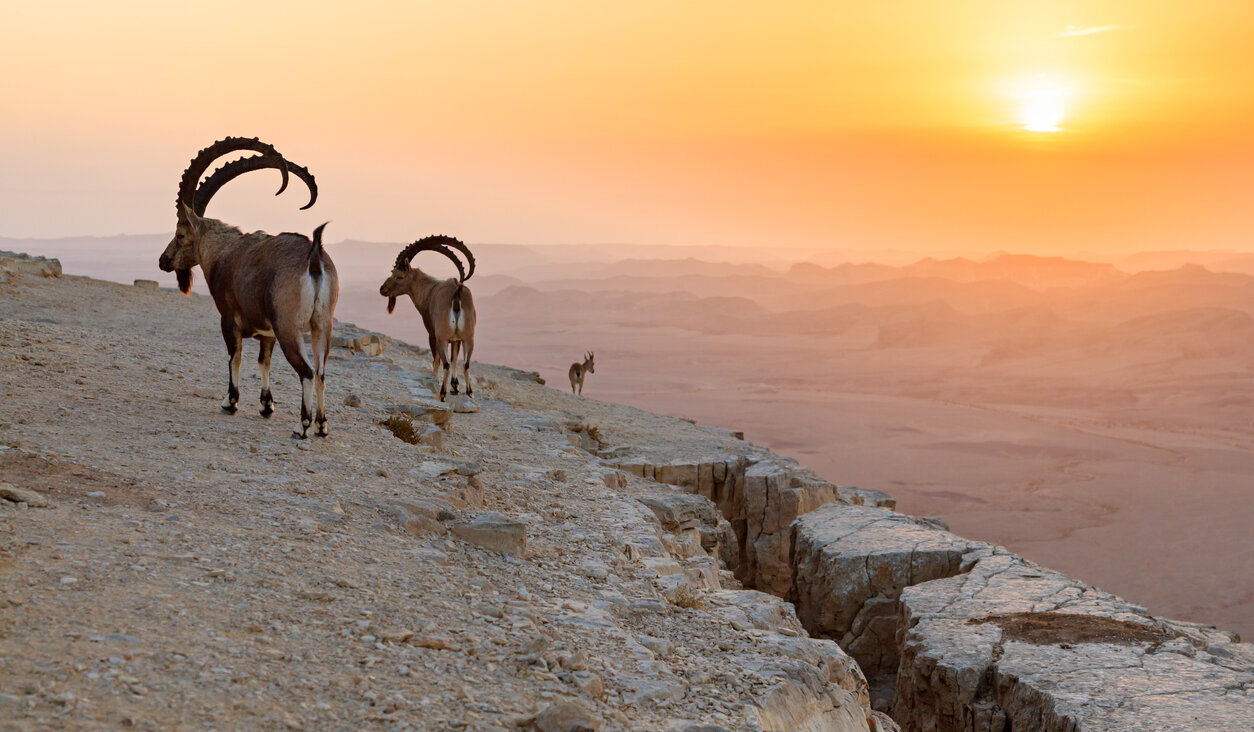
[[194, 221], [391, 305]]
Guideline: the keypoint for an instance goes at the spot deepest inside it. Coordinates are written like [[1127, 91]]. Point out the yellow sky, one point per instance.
[[832, 124]]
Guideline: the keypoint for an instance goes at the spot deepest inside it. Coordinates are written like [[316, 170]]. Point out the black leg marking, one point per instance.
[[267, 403]]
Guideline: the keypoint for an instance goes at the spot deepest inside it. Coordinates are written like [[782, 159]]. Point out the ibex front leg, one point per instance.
[[263, 363], [235, 352]]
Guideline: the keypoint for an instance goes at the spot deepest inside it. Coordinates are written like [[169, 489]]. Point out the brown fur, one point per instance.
[[578, 371], [435, 300], [257, 281]]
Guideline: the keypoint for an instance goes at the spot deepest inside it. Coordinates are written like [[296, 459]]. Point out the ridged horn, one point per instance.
[[470, 258], [438, 243], [236, 168], [199, 164]]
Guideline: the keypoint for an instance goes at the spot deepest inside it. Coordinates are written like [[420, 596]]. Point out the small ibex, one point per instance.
[[580, 370], [446, 306]]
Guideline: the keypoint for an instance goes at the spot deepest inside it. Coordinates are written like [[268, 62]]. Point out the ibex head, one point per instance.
[[588, 365], [180, 254], [397, 284], [401, 281]]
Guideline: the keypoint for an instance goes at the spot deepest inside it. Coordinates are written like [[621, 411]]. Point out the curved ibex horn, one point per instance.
[[438, 243], [205, 158], [236, 168], [470, 258]]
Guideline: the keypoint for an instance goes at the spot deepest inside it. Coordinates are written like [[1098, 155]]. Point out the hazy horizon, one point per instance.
[[966, 126]]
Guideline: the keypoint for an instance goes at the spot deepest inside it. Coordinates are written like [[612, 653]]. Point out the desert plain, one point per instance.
[[1093, 414]]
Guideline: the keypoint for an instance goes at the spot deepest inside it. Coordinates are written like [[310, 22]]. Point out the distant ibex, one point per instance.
[[272, 288], [446, 306], [580, 370]]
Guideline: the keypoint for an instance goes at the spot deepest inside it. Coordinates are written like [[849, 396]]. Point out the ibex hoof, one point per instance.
[[266, 411], [297, 435], [228, 409]]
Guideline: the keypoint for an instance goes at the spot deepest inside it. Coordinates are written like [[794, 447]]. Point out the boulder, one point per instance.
[[31, 498], [566, 716], [495, 532], [427, 410], [462, 404], [419, 516]]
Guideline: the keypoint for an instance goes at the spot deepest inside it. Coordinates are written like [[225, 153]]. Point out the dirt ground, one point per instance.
[[200, 570]]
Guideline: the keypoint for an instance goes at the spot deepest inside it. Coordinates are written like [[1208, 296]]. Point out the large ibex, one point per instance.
[[272, 288], [446, 306]]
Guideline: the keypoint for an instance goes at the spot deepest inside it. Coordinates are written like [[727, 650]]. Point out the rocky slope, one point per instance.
[[163, 565], [532, 560]]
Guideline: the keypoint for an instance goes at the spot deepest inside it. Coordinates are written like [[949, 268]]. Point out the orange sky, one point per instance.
[[828, 124]]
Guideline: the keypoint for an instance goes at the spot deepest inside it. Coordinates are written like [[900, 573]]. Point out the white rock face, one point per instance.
[[850, 565], [760, 495], [985, 640]]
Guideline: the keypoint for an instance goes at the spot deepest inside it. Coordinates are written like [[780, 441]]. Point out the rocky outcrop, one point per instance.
[[760, 494], [1012, 645], [13, 264], [850, 565], [692, 527], [977, 638]]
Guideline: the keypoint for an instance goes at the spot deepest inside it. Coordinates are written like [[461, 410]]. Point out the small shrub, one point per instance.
[[686, 599], [402, 427]]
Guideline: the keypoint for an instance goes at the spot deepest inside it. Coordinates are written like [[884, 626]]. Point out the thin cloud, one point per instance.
[[1075, 31]]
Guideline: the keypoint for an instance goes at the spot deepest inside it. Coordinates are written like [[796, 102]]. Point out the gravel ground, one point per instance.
[[200, 570]]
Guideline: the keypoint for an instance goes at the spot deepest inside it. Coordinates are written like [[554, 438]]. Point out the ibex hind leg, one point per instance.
[[470, 389], [263, 364], [454, 347], [235, 353], [321, 340], [294, 352], [444, 381], [437, 357]]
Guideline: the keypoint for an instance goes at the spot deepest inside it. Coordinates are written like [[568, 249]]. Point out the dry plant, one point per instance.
[[685, 598], [402, 427]]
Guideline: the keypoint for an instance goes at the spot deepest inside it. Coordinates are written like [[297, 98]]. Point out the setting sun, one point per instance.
[[1043, 105]]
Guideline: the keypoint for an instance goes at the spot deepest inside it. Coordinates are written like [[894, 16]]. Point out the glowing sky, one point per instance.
[[930, 125]]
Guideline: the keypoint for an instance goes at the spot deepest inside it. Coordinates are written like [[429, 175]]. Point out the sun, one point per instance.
[[1042, 111], [1042, 104]]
